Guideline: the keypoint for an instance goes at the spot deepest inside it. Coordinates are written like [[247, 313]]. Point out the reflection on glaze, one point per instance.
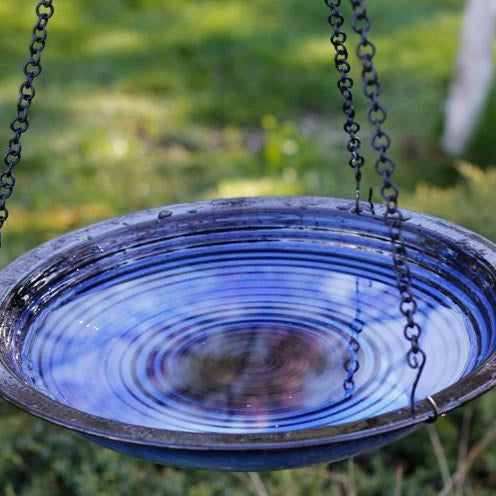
[[242, 337]]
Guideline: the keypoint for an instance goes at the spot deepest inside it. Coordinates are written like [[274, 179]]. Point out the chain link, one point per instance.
[[386, 167], [345, 85], [20, 124]]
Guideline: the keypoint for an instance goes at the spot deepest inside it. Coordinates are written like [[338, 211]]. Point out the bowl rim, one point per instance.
[[16, 391]]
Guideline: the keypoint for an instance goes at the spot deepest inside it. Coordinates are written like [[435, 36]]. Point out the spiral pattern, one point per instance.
[[246, 329]]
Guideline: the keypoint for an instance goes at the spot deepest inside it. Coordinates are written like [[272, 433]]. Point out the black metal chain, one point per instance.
[[386, 167], [345, 85], [32, 69]]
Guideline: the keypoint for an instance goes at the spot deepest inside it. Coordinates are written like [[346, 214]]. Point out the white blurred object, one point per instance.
[[473, 77]]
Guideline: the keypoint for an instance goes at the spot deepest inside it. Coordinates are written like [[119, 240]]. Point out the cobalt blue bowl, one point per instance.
[[245, 334]]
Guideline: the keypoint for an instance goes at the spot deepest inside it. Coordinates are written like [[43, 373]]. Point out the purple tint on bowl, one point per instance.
[[229, 328], [244, 331]]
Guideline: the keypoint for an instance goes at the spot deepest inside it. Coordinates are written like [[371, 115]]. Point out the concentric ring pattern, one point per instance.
[[239, 324]]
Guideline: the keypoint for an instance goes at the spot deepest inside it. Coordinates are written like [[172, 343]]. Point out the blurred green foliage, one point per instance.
[[149, 102]]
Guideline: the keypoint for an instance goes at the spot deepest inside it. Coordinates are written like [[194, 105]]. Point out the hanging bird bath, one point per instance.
[[215, 334], [250, 334]]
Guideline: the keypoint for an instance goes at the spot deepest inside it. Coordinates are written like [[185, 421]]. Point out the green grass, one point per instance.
[[149, 102]]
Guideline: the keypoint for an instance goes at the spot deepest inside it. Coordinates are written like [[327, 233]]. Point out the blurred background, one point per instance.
[[149, 102]]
